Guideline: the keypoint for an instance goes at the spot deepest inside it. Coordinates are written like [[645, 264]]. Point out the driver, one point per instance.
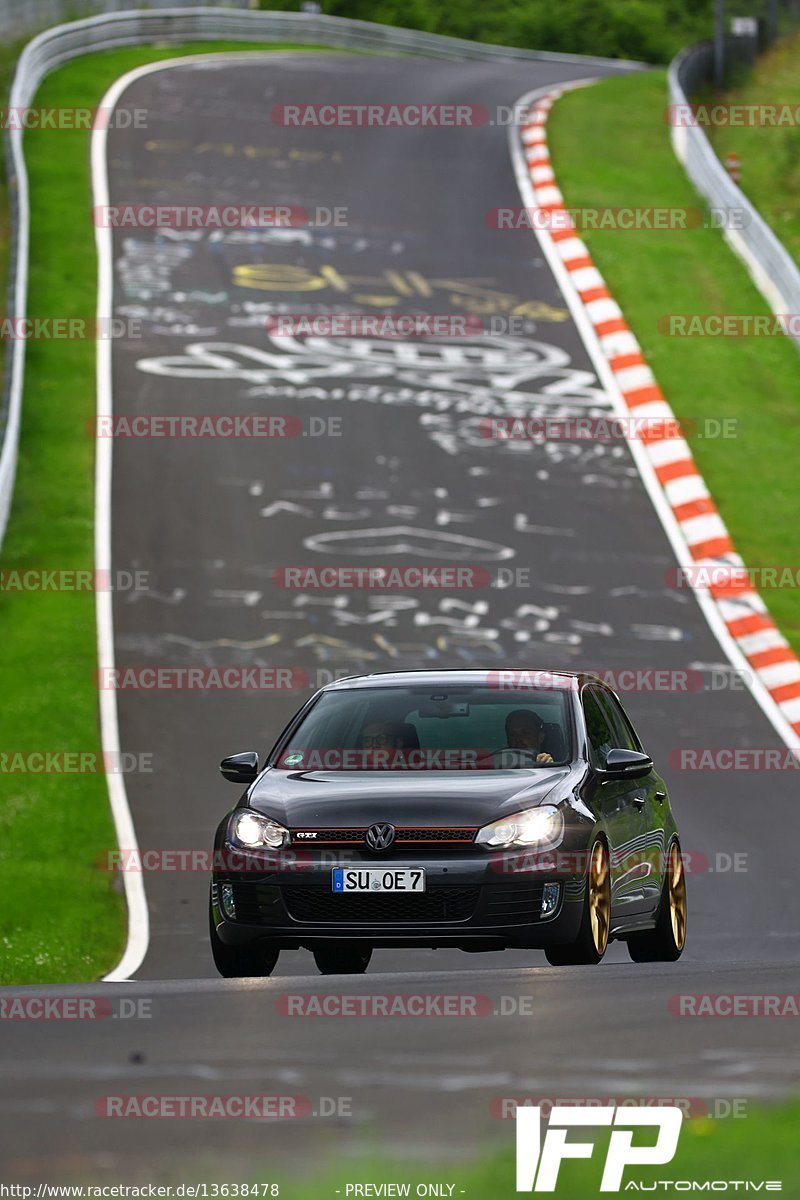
[[525, 731], [381, 735], [381, 744]]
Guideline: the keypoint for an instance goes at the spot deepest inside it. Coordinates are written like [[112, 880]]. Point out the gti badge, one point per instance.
[[379, 837]]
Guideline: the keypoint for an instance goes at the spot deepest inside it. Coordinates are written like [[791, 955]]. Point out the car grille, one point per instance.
[[435, 835], [437, 904], [404, 836]]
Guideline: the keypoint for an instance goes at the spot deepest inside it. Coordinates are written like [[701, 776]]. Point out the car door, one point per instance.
[[620, 803], [654, 792]]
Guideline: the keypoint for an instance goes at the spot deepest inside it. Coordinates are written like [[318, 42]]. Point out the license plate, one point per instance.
[[378, 879]]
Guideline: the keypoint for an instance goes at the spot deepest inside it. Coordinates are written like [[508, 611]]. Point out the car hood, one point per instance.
[[336, 799]]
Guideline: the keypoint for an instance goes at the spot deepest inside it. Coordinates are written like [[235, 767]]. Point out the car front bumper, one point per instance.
[[473, 902]]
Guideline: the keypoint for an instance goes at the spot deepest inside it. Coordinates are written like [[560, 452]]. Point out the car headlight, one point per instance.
[[541, 827], [254, 832]]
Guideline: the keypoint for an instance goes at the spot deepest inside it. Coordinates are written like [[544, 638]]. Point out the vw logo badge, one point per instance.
[[380, 837]]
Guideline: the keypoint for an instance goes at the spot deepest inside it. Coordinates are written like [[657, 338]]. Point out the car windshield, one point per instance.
[[430, 728]]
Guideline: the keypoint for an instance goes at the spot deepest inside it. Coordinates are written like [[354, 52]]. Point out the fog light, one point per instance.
[[227, 900], [549, 898]]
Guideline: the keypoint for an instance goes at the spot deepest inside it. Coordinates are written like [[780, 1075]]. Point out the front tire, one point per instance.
[[665, 943], [590, 945], [342, 960], [253, 961]]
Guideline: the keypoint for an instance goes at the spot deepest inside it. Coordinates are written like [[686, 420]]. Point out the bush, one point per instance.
[[647, 30]]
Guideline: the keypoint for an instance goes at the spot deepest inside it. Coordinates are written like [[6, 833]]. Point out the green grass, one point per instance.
[[752, 477], [770, 155], [60, 917]]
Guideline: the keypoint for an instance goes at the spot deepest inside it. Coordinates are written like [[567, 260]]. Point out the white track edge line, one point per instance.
[[138, 918]]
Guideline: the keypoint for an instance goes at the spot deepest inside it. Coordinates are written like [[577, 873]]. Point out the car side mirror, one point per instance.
[[626, 764], [240, 768]]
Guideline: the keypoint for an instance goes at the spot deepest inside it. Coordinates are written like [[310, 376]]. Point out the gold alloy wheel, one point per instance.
[[676, 882], [599, 896]]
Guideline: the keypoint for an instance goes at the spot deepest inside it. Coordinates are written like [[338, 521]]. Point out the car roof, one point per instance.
[[509, 679]]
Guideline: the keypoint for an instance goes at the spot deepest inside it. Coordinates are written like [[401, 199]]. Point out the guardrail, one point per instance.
[[56, 46], [20, 17], [774, 271]]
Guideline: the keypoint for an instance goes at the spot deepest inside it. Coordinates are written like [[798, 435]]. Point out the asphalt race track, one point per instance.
[[405, 478]]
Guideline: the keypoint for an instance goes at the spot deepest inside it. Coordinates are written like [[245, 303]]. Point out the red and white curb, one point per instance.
[[708, 543]]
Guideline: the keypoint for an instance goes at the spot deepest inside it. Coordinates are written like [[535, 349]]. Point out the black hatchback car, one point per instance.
[[473, 809]]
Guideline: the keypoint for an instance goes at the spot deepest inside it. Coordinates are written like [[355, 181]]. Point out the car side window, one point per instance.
[[602, 737], [626, 738]]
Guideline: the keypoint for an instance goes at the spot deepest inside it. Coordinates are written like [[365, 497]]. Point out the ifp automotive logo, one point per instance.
[[538, 1161]]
